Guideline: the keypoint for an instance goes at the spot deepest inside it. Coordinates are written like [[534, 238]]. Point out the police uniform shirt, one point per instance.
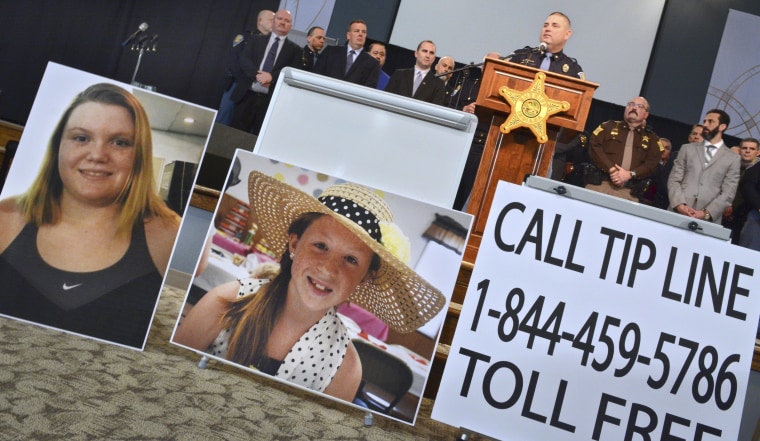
[[608, 146], [560, 63]]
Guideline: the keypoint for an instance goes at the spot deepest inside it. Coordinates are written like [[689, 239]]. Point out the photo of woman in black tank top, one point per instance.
[[85, 248]]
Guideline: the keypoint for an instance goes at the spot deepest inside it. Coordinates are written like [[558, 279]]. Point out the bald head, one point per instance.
[[490, 55], [283, 22], [445, 66], [264, 21]]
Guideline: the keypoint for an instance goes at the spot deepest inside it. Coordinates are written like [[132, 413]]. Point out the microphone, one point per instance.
[[141, 28], [542, 47]]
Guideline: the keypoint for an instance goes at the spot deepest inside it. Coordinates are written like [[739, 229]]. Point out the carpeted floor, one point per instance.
[[55, 386]]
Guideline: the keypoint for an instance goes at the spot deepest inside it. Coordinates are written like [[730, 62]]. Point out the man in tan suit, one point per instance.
[[705, 174]]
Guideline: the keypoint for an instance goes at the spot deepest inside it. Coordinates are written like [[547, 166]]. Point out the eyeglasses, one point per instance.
[[639, 105]]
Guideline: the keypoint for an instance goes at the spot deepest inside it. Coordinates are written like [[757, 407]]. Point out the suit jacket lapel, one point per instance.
[[260, 49], [284, 56]]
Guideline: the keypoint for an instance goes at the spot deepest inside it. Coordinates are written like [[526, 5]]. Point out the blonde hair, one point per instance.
[[41, 204]]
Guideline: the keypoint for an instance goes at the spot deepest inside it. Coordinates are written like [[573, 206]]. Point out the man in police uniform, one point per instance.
[[315, 41], [625, 152], [554, 34], [264, 22]]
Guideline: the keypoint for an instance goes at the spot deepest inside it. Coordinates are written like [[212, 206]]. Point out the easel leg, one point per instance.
[[203, 362]]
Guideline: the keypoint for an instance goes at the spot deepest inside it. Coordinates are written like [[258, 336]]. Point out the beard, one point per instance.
[[710, 134]]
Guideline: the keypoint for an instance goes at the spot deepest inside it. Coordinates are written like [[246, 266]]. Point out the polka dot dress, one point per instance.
[[315, 358]]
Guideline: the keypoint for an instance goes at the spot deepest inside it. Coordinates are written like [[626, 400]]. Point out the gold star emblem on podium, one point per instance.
[[531, 108]]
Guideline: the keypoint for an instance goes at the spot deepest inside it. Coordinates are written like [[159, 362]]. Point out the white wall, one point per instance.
[[611, 40]]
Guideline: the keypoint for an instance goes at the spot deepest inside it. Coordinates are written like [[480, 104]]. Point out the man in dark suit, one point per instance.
[[363, 69], [420, 81], [705, 175], [260, 63], [377, 50]]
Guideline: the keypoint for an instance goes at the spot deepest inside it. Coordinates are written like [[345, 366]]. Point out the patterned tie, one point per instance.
[[417, 82], [350, 59], [709, 152], [546, 61], [269, 61]]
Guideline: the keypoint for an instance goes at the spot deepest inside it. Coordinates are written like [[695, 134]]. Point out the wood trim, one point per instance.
[[205, 198], [9, 132]]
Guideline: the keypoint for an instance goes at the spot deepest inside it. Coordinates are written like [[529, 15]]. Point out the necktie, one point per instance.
[[709, 152], [417, 82], [269, 61], [628, 151], [350, 60], [546, 61]]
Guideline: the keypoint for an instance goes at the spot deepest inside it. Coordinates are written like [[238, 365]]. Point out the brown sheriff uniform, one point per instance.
[[607, 147]]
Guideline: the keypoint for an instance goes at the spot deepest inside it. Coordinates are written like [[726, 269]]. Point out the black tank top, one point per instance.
[[114, 304]]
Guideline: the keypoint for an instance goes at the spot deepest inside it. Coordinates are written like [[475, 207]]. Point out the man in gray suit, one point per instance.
[[705, 174]]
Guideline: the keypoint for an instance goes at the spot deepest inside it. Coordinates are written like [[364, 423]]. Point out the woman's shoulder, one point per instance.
[[9, 205], [12, 220], [160, 233], [158, 227]]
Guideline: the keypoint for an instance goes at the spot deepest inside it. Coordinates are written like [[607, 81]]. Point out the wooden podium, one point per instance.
[[512, 156]]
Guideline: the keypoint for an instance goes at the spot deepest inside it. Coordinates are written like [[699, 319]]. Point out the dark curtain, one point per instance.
[[194, 37]]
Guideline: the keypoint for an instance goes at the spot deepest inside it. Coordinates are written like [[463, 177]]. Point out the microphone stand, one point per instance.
[[143, 44], [466, 67]]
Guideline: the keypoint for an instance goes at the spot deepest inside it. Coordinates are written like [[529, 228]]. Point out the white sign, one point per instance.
[[581, 322]]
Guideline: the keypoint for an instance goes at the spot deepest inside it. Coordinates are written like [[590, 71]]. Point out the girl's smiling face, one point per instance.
[[97, 153], [329, 262]]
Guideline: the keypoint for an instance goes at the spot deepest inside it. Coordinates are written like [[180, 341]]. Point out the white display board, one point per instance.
[[405, 146], [582, 322]]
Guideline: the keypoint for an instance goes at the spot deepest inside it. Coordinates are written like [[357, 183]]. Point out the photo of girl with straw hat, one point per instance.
[[339, 247]]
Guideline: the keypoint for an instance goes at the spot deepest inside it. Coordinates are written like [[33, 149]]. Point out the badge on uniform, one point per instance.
[[645, 142], [565, 68]]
